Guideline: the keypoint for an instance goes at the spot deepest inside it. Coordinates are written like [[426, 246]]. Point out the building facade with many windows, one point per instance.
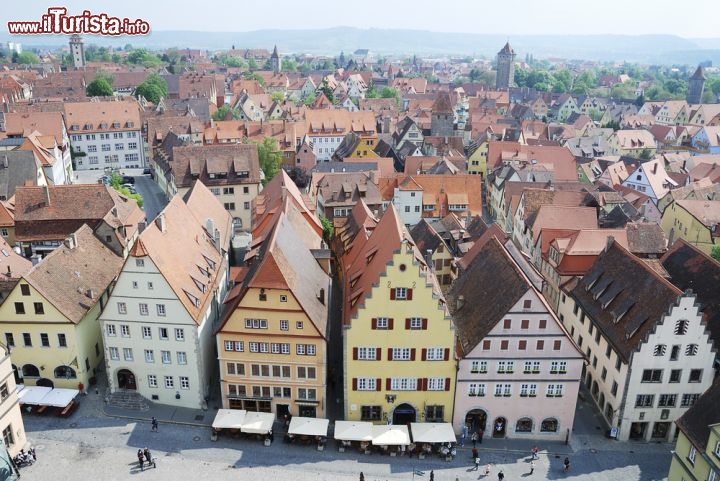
[[105, 135], [649, 352], [398, 337], [159, 322], [272, 344], [519, 372], [11, 422]]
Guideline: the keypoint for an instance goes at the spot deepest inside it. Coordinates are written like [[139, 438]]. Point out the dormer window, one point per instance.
[[88, 126], [116, 125], [130, 124]]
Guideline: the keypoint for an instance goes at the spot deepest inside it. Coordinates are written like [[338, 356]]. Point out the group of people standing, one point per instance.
[[144, 455]]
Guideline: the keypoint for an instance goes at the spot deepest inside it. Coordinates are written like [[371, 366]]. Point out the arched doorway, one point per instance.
[[126, 379], [45, 382], [65, 372], [499, 427], [475, 420], [404, 414]]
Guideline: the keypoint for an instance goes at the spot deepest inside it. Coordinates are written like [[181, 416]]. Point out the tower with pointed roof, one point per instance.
[[275, 61], [443, 118], [505, 67], [696, 85]]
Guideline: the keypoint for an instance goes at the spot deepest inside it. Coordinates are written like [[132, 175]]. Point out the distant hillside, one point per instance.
[[640, 48]]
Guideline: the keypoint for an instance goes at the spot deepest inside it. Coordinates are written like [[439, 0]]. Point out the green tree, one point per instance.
[[116, 183], [26, 58], [270, 158], [221, 113], [328, 230], [715, 253], [325, 88], [99, 88], [309, 100], [255, 76], [277, 96], [645, 154], [153, 88]]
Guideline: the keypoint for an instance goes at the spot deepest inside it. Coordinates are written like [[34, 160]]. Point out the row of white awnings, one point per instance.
[[45, 396], [247, 422]]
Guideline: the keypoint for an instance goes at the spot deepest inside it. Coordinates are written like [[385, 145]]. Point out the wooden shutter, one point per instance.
[[373, 323], [388, 384], [407, 323], [423, 384], [423, 354], [355, 353], [446, 354], [378, 384], [412, 353], [378, 353], [354, 384], [409, 294], [424, 323], [390, 323], [447, 383], [392, 293], [390, 355]]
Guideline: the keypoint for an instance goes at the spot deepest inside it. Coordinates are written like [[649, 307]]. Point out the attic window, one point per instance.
[[88, 126], [130, 124], [116, 125], [103, 125], [194, 299], [202, 287], [243, 174], [204, 271], [74, 127]]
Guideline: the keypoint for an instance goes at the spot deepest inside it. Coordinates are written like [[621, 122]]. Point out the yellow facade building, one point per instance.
[[398, 338], [11, 423], [272, 344], [697, 451], [50, 318], [695, 221]]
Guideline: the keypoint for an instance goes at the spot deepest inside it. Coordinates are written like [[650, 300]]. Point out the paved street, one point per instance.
[[91, 444]]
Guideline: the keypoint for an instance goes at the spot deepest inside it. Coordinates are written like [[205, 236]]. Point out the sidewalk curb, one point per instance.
[[136, 418]]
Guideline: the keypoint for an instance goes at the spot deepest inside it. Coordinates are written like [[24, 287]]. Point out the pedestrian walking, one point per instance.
[[532, 466], [477, 464], [474, 438], [432, 475], [501, 475], [362, 476], [535, 452], [481, 432], [474, 453], [487, 470], [463, 435], [148, 457], [141, 459], [154, 423]]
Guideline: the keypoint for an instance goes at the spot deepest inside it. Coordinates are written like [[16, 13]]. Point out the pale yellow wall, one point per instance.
[[678, 223], [439, 333], [682, 468], [81, 338], [10, 415], [477, 163], [273, 310], [238, 197]]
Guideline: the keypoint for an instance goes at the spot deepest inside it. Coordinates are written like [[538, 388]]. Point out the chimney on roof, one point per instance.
[[160, 222], [47, 195], [35, 259], [610, 242], [321, 296], [71, 241], [90, 294], [141, 226], [9, 272], [655, 167]]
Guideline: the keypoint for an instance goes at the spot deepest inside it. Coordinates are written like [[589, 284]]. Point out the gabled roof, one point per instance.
[[495, 282], [624, 298], [442, 104], [84, 267], [690, 268], [695, 423], [563, 217], [18, 168], [186, 253]]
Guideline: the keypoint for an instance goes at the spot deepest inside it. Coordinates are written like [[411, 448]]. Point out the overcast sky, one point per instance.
[[696, 18]]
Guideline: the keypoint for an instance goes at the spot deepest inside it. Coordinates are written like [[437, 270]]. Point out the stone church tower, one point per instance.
[[275, 61], [443, 118], [696, 85], [505, 68], [77, 50]]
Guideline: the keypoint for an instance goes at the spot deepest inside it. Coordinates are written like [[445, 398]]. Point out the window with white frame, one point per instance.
[[166, 357], [403, 384], [505, 367], [717, 448], [122, 308], [254, 347], [435, 354], [179, 334], [239, 346], [163, 333], [184, 382], [229, 345], [381, 323], [436, 384], [478, 367], [476, 389], [256, 324], [114, 353], [264, 347], [298, 325], [367, 353], [150, 285], [147, 332], [285, 348], [127, 353], [554, 390], [124, 330], [284, 325], [149, 355], [305, 393], [110, 330], [401, 353], [275, 347], [691, 455], [366, 384], [416, 323], [160, 310], [152, 380], [558, 367], [144, 309], [400, 293], [169, 382], [503, 389], [181, 357]]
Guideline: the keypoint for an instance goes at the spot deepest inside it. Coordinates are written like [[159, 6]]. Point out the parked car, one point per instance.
[[147, 171], [127, 179]]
